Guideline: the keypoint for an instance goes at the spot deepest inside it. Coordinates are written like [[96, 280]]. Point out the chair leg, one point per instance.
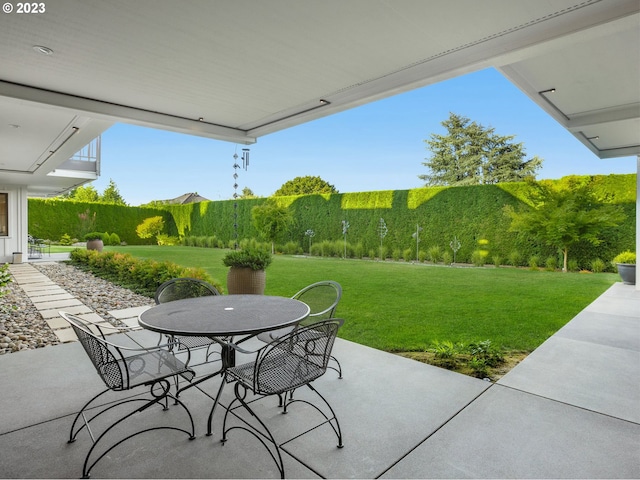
[[331, 420], [282, 398], [263, 435], [72, 435], [160, 398], [338, 368]]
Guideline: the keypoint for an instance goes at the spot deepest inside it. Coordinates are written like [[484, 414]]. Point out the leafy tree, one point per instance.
[[154, 204], [305, 186], [248, 193], [111, 194], [85, 194], [563, 217], [471, 154], [89, 193], [271, 220], [150, 227]]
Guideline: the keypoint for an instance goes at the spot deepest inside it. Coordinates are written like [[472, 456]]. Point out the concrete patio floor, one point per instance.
[[571, 409]]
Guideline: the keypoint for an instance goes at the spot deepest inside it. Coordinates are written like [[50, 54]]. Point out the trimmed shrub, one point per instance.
[[164, 239], [434, 254], [141, 276], [291, 248], [534, 262], [597, 265], [478, 258], [66, 240], [114, 239], [515, 258], [551, 264], [315, 250]]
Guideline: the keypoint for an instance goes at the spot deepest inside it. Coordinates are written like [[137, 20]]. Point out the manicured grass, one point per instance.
[[62, 248], [405, 307]]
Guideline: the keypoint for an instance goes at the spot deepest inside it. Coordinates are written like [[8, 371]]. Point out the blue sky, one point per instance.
[[379, 146]]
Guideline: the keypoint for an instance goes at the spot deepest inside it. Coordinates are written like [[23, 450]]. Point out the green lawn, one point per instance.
[[404, 307], [61, 248]]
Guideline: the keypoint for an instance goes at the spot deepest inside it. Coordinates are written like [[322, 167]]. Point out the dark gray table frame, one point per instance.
[[219, 316]]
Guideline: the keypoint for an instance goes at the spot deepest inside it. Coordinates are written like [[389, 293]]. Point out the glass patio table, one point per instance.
[[221, 317]]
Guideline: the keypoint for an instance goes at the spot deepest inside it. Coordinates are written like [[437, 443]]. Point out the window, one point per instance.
[[4, 214]]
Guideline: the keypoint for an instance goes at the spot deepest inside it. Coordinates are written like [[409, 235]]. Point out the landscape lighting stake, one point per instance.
[[382, 232], [310, 233], [455, 246], [345, 227], [417, 237]]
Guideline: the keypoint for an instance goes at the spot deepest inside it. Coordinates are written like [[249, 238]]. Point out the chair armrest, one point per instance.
[[165, 347], [108, 326]]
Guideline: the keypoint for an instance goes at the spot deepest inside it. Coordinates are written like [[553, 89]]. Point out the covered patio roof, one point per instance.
[[235, 70]]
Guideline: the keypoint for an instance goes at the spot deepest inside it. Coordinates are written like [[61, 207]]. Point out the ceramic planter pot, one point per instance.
[[95, 245], [627, 272], [246, 281]]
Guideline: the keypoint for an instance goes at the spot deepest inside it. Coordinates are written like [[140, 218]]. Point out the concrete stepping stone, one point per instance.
[[128, 312], [76, 310], [57, 304], [49, 295]]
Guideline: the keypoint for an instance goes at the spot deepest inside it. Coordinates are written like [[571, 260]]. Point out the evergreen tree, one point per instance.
[[471, 154], [111, 194]]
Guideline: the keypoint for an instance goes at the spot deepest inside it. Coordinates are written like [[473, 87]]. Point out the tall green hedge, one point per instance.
[[52, 218], [473, 214]]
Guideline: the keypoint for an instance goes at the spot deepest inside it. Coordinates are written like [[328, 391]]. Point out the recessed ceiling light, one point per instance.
[[43, 50]]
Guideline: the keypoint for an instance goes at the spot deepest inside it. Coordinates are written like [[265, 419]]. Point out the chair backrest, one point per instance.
[[179, 288], [296, 359], [106, 357], [322, 298]]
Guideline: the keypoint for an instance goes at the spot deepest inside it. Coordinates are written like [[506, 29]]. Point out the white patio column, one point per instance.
[[637, 218]]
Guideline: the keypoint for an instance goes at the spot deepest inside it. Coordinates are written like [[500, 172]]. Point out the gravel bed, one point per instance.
[[21, 325]]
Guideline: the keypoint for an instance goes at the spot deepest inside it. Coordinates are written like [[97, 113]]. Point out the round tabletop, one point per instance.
[[224, 315]]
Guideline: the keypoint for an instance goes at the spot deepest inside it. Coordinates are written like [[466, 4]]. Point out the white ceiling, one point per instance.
[[248, 68]]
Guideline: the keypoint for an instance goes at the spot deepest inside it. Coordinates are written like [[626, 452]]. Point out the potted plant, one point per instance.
[[94, 241], [247, 273], [626, 265]]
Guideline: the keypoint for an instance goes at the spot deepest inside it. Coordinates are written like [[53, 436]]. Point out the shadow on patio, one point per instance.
[[569, 410]]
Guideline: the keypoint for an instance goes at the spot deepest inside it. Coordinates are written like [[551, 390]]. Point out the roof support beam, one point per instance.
[[578, 121], [121, 113]]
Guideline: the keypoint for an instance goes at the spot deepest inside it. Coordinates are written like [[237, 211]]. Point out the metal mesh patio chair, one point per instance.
[[179, 289], [291, 362], [323, 298], [122, 369]]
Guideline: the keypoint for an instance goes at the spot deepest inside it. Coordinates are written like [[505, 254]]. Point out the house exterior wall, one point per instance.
[[16, 239]]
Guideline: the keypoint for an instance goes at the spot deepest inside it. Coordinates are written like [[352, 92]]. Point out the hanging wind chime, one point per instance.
[[245, 165]]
